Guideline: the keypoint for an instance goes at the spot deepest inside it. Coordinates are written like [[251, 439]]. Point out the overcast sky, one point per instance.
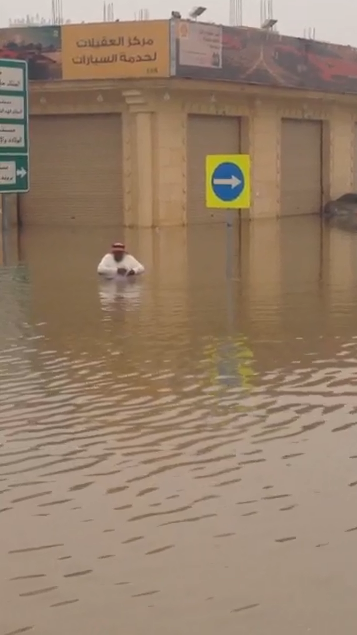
[[332, 21]]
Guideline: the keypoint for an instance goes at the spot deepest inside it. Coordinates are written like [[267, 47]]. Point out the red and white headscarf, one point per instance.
[[118, 247]]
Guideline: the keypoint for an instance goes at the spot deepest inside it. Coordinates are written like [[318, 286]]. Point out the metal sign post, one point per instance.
[[228, 188], [14, 132], [230, 222]]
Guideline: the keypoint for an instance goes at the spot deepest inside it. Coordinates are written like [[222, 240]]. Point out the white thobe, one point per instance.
[[108, 266]]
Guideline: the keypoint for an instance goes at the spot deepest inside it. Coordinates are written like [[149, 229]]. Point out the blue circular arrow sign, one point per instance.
[[227, 181]]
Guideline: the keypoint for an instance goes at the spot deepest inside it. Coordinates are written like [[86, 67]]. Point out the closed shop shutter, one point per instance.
[[355, 159], [207, 134], [301, 167], [75, 171]]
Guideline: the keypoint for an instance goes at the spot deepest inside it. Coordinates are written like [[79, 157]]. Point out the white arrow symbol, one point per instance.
[[21, 172], [233, 182]]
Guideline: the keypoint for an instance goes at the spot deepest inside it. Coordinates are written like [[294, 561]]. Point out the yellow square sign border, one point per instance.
[[244, 163]]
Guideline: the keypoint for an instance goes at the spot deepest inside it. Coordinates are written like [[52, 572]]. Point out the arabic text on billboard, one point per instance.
[[116, 49], [200, 45]]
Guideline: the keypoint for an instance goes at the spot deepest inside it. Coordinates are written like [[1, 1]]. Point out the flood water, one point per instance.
[[179, 455]]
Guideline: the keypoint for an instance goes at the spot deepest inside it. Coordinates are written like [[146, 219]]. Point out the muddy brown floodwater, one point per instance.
[[179, 455]]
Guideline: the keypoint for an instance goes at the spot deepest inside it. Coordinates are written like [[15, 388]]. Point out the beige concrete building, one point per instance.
[[133, 153]]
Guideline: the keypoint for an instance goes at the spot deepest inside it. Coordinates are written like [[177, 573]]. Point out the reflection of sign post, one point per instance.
[[231, 362], [228, 187], [14, 141]]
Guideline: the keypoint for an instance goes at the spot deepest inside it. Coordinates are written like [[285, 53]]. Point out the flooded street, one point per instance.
[[179, 455]]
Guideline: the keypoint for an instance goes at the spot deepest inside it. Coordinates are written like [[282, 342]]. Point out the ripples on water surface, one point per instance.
[[179, 455]]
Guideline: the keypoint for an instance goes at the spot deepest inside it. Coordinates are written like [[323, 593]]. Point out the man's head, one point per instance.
[[118, 251]]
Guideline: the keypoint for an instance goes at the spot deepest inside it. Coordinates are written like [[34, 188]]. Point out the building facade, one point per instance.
[[120, 138]]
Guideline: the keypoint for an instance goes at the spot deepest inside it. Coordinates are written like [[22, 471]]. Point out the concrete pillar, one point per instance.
[[265, 157], [154, 164], [138, 169], [128, 169], [341, 151], [144, 169], [170, 165], [138, 158]]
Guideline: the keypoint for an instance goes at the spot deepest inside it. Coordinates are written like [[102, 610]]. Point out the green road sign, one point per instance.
[[14, 173], [14, 127]]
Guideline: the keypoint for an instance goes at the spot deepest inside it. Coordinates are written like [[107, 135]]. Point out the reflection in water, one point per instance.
[[178, 452], [230, 362], [116, 294]]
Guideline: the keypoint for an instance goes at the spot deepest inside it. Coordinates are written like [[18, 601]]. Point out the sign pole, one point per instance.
[[230, 259], [3, 213], [228, 188], [229, 243], [5, 250]]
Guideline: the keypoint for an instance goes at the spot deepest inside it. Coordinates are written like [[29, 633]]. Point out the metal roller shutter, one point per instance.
[[207, 134], [75, 170], [301, 167], [355, 159]]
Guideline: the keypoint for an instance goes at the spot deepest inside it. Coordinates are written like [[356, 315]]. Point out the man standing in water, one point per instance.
[[119, 262]]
